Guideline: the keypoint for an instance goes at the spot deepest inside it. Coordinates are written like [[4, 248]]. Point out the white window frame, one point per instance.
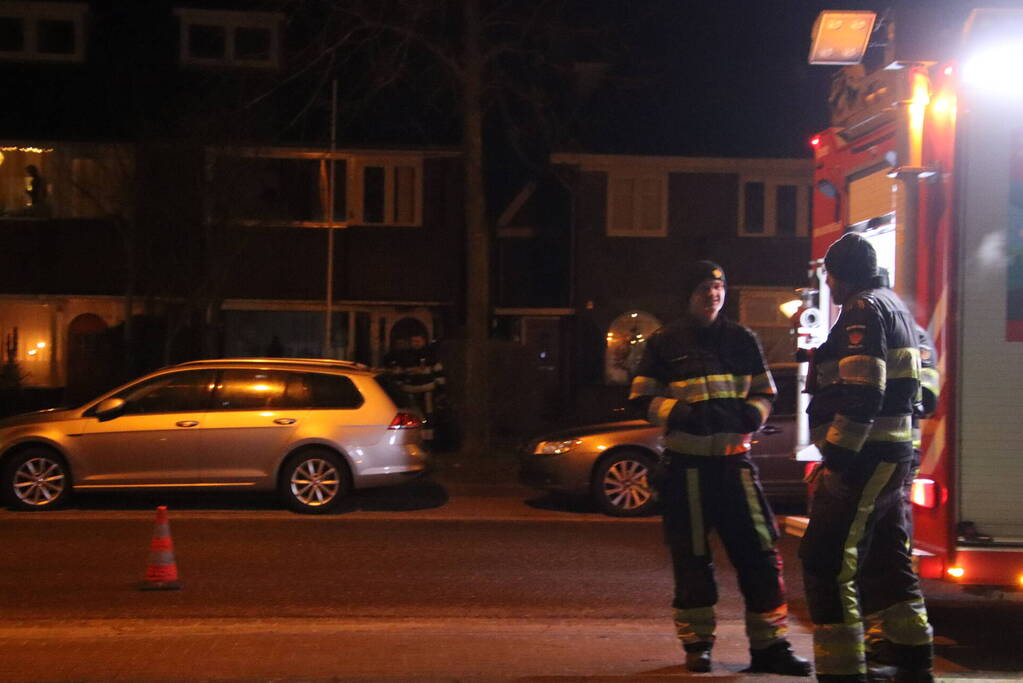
[[31, 13], [615, 177], [356, 189], [230, 21], [771, 185]]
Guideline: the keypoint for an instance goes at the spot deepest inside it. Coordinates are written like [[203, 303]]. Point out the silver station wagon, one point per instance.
[[611, 463], [310, 429]]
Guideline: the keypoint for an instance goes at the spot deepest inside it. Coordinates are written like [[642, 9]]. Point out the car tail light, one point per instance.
[[406, 421]]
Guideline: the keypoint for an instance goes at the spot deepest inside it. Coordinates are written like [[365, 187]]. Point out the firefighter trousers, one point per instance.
[[857, 569], [723, 493]]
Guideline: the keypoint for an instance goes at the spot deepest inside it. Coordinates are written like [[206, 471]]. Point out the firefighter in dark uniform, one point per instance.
[[703, 379], [422, 376], [856, 551], [882, 655]]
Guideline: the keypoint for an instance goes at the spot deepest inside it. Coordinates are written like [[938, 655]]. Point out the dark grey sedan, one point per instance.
[[611, 462]]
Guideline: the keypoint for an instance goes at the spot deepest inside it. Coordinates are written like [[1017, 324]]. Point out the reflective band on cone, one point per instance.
[[162, 572]]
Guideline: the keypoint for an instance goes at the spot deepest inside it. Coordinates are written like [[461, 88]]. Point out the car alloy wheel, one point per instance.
[[621, 484], [37, 479], [315, 481]]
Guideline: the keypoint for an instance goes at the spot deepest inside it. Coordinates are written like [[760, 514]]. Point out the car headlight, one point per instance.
[[555, 447]]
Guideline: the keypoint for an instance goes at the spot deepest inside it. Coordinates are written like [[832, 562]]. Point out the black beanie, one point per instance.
[[699, 271], [852, 259]]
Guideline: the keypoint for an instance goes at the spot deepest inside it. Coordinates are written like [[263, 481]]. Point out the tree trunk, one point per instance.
[[476, 404]]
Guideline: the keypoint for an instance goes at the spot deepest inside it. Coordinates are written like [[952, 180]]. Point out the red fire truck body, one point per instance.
[[926, 161]]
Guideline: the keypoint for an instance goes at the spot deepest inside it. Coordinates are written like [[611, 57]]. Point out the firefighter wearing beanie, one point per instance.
[[703, 379], [867, 377]]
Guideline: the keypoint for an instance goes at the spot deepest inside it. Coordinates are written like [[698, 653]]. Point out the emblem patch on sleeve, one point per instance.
[[856, 333]]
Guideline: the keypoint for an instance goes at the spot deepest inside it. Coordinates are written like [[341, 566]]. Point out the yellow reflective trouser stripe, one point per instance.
[[863, 370], [755, 510], [763, 384], [762, 405], [695, 511], [850, 552], [847, 433], [660, 409], [645, 386], [838, 649], [903, 363], [695, 625], [764, 629], [711, 444], [931, 380], [904, 623]]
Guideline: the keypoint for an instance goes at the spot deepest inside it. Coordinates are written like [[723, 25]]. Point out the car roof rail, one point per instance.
[[324, 362]]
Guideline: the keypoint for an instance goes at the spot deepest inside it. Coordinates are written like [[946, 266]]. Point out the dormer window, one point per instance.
[[223, 38]]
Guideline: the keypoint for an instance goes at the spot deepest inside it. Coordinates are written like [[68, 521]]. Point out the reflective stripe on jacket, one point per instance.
[[707, 386]]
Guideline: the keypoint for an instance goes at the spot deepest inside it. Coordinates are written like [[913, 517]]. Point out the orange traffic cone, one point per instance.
[[162, 572]]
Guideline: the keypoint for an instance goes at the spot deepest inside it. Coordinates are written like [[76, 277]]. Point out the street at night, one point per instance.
[[374, 340], [434, 580]]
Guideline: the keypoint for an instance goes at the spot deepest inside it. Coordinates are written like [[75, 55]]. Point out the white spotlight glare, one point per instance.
[[995, 70]]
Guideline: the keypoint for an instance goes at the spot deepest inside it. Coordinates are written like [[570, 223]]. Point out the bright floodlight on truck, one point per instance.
[[995, 69], [841, 37]]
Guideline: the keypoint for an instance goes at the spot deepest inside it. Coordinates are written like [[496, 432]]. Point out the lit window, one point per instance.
[[637, 204], [770, 207], [43, 31], [229, 38]]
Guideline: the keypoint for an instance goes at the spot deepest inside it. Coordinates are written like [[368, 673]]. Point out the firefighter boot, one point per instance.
[[881, 661], [777, 659], [697, 657], [914, 663]]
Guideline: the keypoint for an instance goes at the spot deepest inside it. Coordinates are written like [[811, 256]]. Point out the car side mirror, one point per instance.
[[109, 408]]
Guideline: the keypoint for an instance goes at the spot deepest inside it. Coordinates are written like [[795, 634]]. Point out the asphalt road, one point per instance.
[[416, 583]]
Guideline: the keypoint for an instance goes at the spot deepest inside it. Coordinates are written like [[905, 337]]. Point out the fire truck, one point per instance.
[[924, 157]]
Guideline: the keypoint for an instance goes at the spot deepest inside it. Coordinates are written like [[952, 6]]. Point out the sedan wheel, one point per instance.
[[38, 479], [314, 481], [621, 484]]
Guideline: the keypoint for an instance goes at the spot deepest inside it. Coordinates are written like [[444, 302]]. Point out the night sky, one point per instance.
[[725, 78]]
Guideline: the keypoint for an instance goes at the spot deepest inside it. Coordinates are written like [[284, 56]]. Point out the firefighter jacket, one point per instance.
[[707, 386], [417, 370], [867, 381]]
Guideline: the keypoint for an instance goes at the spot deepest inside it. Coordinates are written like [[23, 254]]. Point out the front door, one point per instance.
[[155, 440]]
